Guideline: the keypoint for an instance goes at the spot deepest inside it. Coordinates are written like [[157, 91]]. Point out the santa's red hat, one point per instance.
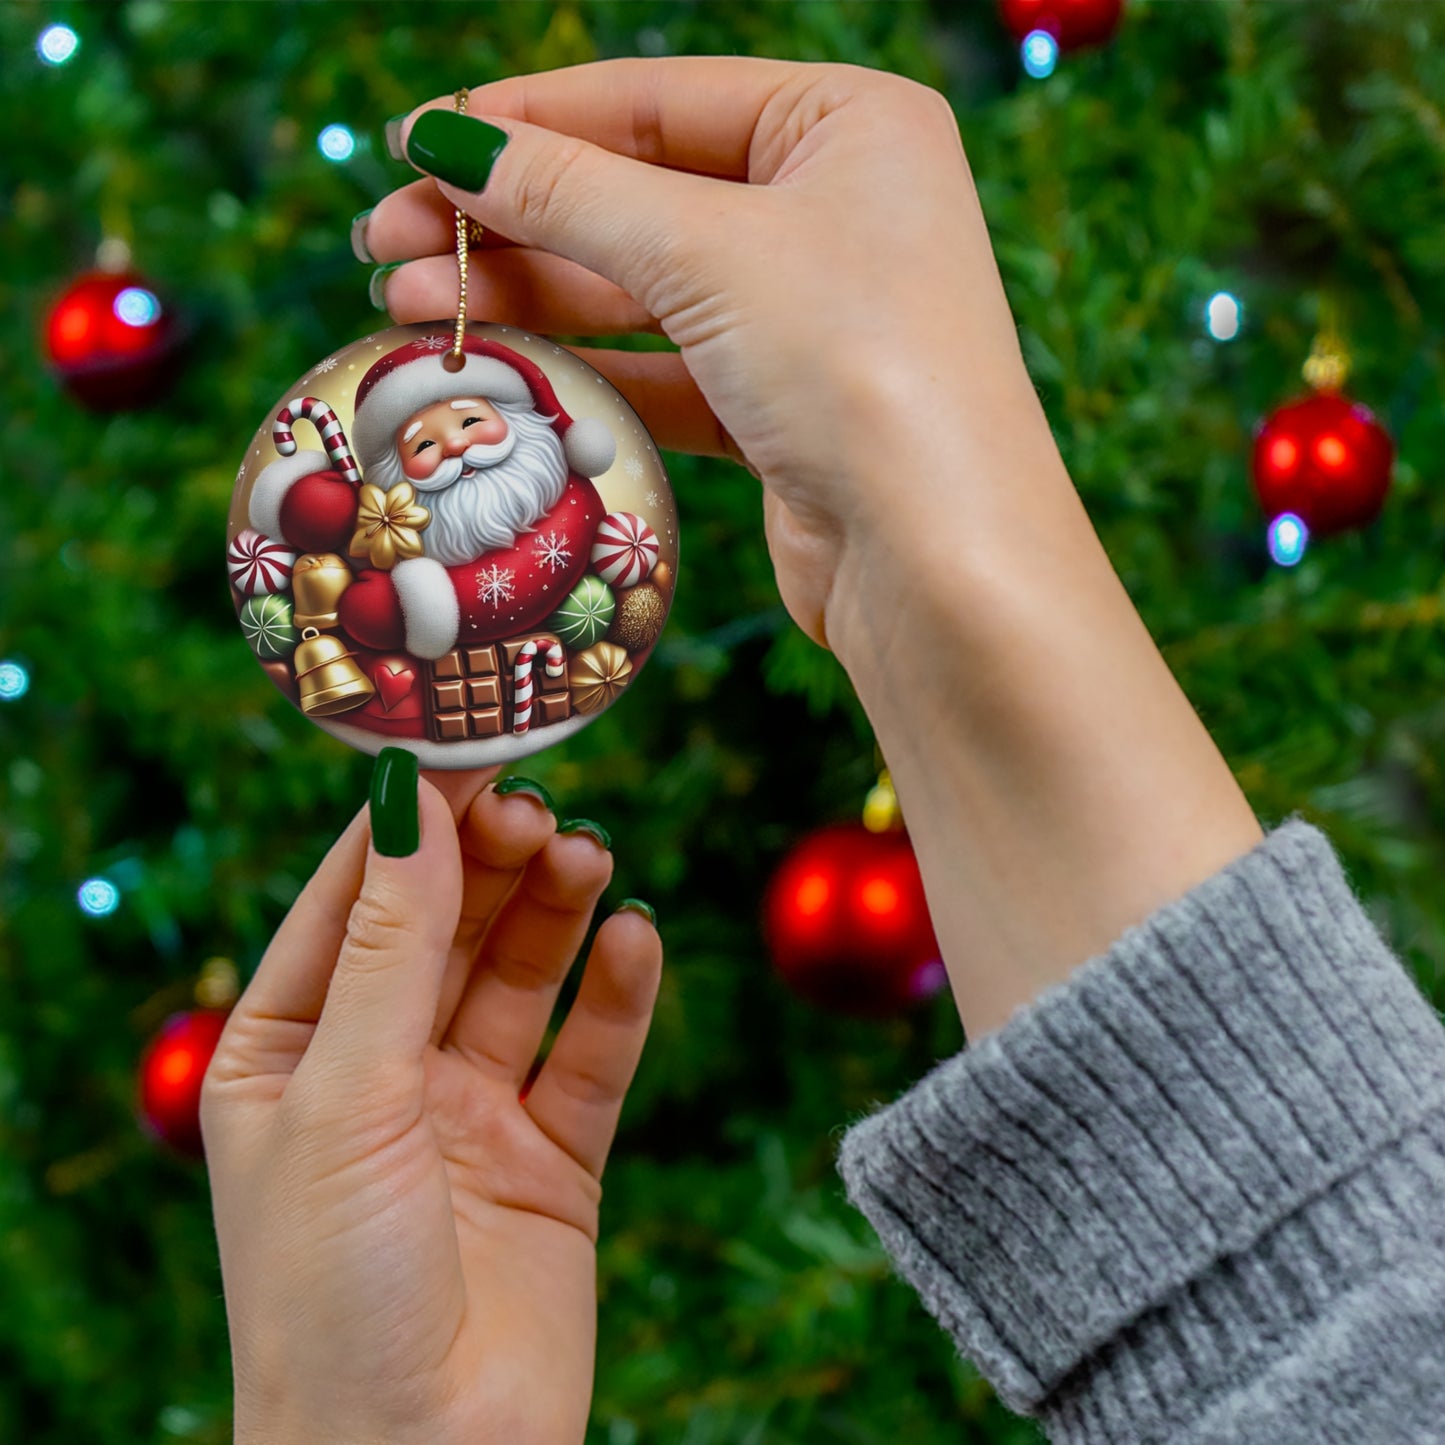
[[414, 376]]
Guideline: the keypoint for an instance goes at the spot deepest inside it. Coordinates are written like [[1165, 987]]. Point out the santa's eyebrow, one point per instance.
[[411, 431], [463, 405]]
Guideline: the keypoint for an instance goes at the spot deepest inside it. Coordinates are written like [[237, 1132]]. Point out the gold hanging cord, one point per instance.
[[469, 232]]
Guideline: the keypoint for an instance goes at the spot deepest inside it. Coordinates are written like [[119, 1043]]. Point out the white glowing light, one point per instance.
[[1223, 316], [1040, 52], [1288, 538], [57, 44], [137, 307], [336, 143], [14, 681], [98, 897]]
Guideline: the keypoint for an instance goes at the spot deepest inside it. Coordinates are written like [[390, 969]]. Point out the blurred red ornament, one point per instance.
[[847, 923], [1073, 23], [171, 1071], [1324, 458], [112, 342]]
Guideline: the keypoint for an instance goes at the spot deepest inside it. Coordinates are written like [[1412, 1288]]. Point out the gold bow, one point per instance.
[[388, 525]]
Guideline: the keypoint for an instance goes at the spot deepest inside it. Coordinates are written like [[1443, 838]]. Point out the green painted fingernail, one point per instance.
[[377, 287], [636, 905], [392, 131], [525, 785], [586, 825], [455, 148], [359, 248], [395, 814]]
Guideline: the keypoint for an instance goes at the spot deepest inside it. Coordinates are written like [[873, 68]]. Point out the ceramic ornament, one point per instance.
[[469, 555]]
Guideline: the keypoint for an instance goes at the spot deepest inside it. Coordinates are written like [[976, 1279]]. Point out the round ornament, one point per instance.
[[847, 923], [586, 615], [112, 341], [641, 613], [171, 1072], [1072, 23], [455, 528], [1324, 458]]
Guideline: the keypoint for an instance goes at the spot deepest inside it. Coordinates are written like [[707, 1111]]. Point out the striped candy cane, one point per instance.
[[522, 678], [328, 427]]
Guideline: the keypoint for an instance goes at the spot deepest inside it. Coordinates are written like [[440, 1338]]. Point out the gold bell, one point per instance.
[[328, 678], [317, 581]]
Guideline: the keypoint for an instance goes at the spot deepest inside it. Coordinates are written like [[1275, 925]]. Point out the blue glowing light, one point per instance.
[[1223, 316], [137, 307], [14, 681], [98, 897], [1288, 538], [336, 143], [1040, 52], [57, 44]]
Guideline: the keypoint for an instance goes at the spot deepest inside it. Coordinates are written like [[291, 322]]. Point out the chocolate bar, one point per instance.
[[469, 695]]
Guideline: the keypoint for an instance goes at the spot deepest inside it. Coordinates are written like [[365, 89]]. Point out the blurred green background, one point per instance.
[[1291, 154]]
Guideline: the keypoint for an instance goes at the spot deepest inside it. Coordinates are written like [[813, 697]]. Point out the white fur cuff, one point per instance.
[[270, 488], [428, 606]]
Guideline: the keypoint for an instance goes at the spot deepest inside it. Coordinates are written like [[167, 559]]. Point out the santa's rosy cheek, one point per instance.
[[422, 465], [488, 432]]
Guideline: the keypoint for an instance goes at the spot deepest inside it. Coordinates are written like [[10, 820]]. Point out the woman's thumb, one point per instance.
[[382, 999]]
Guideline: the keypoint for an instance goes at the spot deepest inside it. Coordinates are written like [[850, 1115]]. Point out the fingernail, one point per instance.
[[512, 785], [395, 820], [585, 825], [393, 136], [376, 289], [455, 148], [359, 248], [636, 905]]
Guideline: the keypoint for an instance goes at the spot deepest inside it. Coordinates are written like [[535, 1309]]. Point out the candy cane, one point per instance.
[[328, 427], [522, 678]]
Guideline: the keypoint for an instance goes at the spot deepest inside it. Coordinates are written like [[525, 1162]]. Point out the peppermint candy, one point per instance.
[[259, 565], [624, 550]]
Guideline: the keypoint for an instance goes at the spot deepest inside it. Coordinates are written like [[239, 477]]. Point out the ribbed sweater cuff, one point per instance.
[[1174, 1150]]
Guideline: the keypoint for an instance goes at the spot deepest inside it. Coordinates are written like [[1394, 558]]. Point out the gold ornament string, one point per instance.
[[469, 232]]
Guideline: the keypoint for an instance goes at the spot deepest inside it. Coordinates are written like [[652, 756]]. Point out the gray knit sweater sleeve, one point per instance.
[[1196, 1192]]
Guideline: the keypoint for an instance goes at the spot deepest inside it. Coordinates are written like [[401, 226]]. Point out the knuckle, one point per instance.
[[543, 185], [375, 933]]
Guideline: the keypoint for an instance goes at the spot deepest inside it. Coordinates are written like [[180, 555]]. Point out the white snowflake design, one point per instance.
[[552, 552], [633, 467], [328, 365], [434, 343], [653, 500], [494, 585]]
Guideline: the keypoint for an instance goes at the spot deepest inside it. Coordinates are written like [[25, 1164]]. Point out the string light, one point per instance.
[[1288, 538], [136, 306], [336, 143], [14, 681], [98, 897], [57, 44], [1223, 316], [1040, 53]]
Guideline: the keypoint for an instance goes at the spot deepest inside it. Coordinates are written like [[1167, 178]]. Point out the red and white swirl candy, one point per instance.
[[624, 550], [258, 565]]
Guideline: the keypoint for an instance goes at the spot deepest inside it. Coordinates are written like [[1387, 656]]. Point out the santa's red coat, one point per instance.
[[499, 595]]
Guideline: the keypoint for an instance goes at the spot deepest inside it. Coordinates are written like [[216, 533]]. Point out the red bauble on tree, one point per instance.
[[847, 923], [1324, 458], [111, 341], [171, 1071], [1073, 23]]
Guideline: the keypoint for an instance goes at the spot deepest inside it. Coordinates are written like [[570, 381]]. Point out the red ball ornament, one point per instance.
[[171, 1071], [847, 924], [1324, 458], [111, 341], [1073, 23]]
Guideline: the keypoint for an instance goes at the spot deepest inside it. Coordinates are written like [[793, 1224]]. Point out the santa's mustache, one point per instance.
[[476, 457]]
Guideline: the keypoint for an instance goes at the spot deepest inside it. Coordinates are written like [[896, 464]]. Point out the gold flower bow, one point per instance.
[[388, 525]]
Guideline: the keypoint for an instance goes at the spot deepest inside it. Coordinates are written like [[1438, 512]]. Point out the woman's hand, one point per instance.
[[407, 1245], [838, 316]]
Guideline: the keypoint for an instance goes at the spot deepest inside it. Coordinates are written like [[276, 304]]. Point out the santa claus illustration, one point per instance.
[[471, 514]]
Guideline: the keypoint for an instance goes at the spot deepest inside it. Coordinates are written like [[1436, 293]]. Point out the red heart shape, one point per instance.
[[393, 684]]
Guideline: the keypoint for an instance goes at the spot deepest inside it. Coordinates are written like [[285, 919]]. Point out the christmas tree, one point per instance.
[[1212, 161]]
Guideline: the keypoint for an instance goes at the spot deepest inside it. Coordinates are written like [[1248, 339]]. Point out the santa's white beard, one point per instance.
[[489, 507]]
